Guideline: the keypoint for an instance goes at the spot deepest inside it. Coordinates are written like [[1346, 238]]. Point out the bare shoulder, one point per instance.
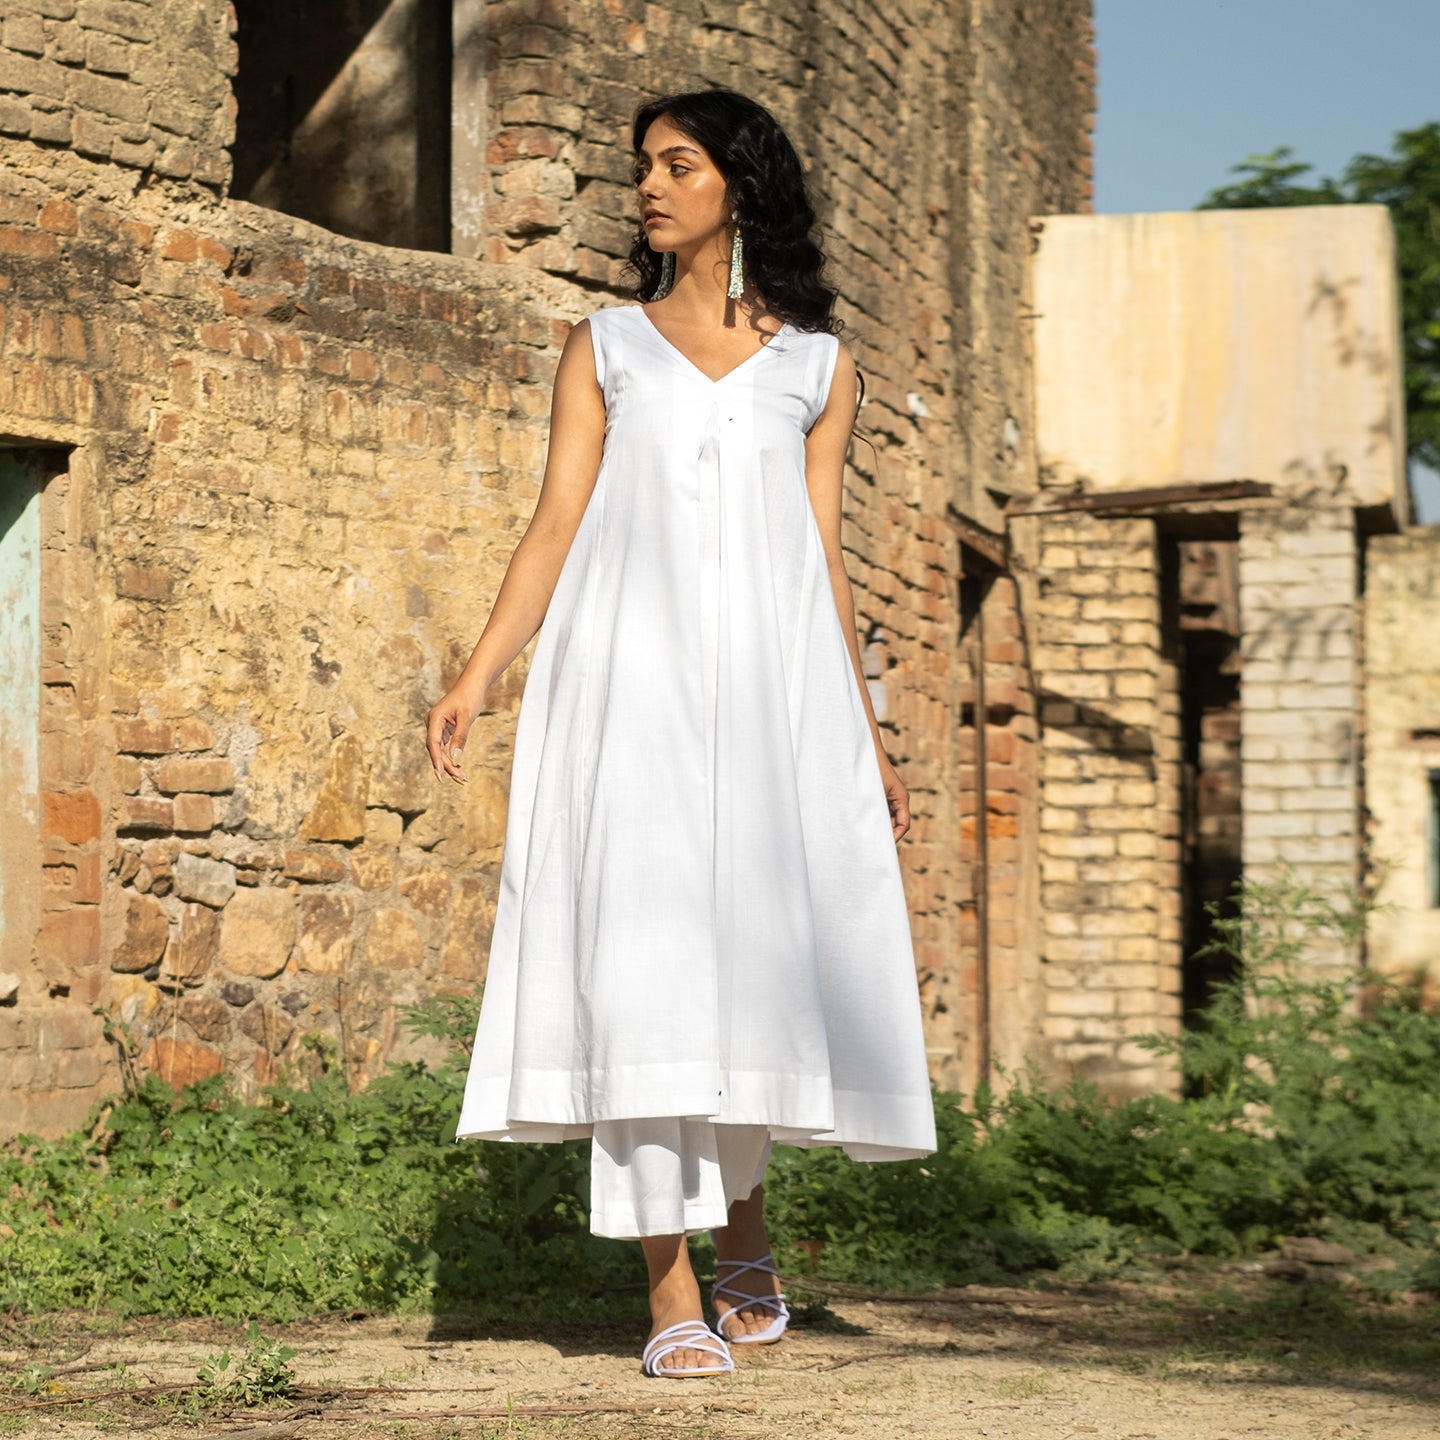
[[844, 384], [845, 367], [578, 351]]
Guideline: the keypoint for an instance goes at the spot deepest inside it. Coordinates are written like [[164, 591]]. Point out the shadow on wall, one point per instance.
[[344, 116]]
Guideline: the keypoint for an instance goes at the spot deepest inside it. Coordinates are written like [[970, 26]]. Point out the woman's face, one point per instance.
[[680, 190]]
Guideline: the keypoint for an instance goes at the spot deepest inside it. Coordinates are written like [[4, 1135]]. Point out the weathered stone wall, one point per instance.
[[291, 469], [292, 465], [1402, 752]]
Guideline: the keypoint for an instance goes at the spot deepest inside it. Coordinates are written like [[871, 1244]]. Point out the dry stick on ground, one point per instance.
[[542, 1412], [316, 1412], [59, 1401], [279, 1430]]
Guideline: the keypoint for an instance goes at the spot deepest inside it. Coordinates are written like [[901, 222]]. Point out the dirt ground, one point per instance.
[[1217, 1359]]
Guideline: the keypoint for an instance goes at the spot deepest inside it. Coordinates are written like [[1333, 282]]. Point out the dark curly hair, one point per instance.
[[765, 185]]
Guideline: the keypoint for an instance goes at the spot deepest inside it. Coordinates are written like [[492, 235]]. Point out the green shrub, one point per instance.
[[1315, 1109]]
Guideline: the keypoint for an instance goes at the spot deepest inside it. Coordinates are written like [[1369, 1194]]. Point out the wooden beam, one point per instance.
[[1149, 501], [988, 544]]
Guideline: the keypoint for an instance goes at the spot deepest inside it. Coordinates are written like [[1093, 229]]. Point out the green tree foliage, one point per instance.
[[1408, 182]]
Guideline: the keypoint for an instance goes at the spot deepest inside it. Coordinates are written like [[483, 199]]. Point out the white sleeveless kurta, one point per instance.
[[700, 909]]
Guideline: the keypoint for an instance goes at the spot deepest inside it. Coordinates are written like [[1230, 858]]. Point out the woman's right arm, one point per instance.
[[577, 434]]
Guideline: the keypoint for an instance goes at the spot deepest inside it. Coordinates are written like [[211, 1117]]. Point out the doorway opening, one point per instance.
[[1209, 621]]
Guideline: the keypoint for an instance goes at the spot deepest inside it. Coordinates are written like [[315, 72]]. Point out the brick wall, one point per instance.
[[1105, 664], [294, 467], [142, 84], [1299, 689]]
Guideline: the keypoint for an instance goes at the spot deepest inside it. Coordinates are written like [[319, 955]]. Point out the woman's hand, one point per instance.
[[897, 797], [447, 727]]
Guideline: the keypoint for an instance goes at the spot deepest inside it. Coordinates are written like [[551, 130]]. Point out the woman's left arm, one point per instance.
[[826, 447]]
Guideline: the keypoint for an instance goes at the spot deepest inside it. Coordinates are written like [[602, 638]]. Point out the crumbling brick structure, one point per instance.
[[262, 471]]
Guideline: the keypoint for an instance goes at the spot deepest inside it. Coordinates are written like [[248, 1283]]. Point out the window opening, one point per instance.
[[344, 116]]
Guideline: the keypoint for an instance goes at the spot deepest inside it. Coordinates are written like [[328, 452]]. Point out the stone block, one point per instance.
[[1117, 924], [1134, 1003], [1078, 1004], [191, 733], [130, 19], [69, 940], [144, 737], [1120, 607], [69, 1029], [181, 1062], [268, 1027], [1077, 847], [108, 55], [129, 774], [327, 933], [134, 998], [73, 816], [194, 814], [208, 1017], [524, 215], [383, 828], [315, 867], [1122, 817], [51, 127], [211, 882], [209, 777], [339, 810], [136, 582], [1135, 686], [258, 932], [142, 942], [196, 944], [106, 95], [25, 33], [392, 939], [373, 870], [1069, 950], [400, 775], [472, 920], [1079, 794], [79, 1070], [428, 891]]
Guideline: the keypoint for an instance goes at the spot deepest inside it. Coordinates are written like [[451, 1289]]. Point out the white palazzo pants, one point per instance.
[[671, 1175]]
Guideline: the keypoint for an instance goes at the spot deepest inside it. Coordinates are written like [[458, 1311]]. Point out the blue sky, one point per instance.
[[1189, 88]]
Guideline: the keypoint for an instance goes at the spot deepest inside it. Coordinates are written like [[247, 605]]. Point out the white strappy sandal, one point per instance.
[[775, 1303], [687, 1335]]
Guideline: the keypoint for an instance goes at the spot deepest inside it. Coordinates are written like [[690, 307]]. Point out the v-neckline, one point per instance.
[[733, 370]]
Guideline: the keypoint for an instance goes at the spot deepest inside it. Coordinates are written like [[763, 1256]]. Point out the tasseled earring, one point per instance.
[[667, 275], [737, 265]]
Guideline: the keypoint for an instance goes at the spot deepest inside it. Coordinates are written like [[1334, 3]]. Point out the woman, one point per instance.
[[701, 941]]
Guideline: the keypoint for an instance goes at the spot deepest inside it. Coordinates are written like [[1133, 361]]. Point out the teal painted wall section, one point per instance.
[[19, 680]]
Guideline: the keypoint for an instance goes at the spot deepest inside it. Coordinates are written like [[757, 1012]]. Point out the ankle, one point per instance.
[[741, 1243]]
